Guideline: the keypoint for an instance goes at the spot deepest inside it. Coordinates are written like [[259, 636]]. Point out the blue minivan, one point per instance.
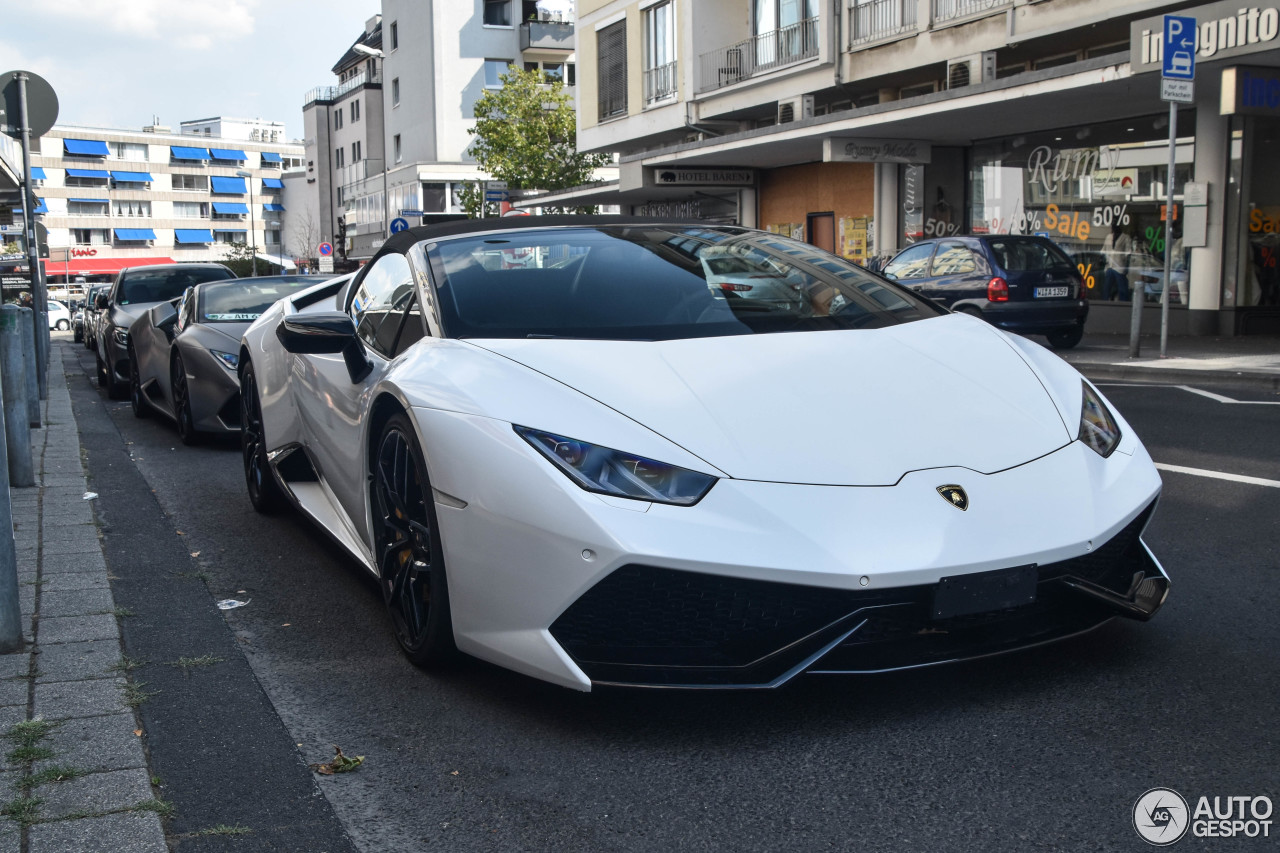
[[1019, 283]]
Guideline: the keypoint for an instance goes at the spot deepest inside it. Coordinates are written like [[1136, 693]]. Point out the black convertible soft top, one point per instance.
[[399, 243]]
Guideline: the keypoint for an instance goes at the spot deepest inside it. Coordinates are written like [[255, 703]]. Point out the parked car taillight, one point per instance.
[[997, 290]]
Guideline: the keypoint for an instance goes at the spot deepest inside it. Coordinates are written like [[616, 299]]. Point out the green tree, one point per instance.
[[239, 259], [526, 134]]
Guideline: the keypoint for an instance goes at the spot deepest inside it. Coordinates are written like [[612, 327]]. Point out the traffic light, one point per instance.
[[342, 237]]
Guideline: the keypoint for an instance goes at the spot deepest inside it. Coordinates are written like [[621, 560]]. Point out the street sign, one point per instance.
[[398, 225], [1178, 60], [326, 263], [497, 195], [42, 104], [325, 250], [405, 212]]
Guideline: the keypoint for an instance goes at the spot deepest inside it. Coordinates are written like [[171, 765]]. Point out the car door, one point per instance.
[[955, 273], [911, 266], [332, 410]]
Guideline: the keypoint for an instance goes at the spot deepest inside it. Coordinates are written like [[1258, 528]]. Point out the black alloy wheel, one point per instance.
[[407, 548], [1067, 339], [182, 402], [137, 401], [264, 493]]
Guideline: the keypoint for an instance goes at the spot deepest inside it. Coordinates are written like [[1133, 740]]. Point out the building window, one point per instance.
[[122, 207], [190, 210], [395, 92], [135, 151], [611, 69], [395, 35], [395, 145], [659, 53], [497, 13], [91, 236], [337, 119], [191, 183], [493, 71], [87, 208], [272, 236], [355, 110], [96, 183], [571, 78], [355, 151], [553, 72]]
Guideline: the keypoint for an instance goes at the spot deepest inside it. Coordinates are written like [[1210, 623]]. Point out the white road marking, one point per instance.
[[1218, 475], [1219, 398]]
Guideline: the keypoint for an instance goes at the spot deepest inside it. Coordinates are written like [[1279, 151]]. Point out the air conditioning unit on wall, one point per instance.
[[795, 109], [967, 70]]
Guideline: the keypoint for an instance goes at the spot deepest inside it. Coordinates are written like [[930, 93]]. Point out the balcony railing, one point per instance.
[[758, 55], [946, 10], [881, 19], [659, 83], [546, 35], [332, 93]]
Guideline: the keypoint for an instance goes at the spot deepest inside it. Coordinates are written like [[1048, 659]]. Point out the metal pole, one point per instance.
[[1168, 230], [40, 316], [10, 611], [33, 387], [253, 229], [17, 426]]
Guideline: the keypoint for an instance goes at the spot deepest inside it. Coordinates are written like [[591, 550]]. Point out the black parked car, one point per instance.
[[134, 291], [1019, 283]]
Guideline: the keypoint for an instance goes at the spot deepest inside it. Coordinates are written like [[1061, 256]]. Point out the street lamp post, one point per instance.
[[253, 232]]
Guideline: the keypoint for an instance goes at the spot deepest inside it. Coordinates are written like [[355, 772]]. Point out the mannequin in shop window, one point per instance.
[[1117, 248]]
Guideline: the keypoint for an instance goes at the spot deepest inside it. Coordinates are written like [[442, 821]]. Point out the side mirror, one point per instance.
[[325, 333], [103, 302]]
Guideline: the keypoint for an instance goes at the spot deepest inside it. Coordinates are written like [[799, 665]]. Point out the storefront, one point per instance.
[[831, 205]]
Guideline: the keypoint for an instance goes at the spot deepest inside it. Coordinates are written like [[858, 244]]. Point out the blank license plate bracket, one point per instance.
[[984, 592]]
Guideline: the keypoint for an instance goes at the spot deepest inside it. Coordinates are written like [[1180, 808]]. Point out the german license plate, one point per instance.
[[984, 592], [1046, 292]]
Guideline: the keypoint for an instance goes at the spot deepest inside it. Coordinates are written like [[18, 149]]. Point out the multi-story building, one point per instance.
[[112, 198], [863, 125], [428, 63], [247, 129]]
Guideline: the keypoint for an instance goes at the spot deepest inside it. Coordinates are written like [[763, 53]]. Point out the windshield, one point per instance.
[[245, 299], [139, 286], [655, 282], [1030, 256]]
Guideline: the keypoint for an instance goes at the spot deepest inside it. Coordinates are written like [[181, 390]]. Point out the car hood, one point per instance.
[[856, 407], [231, 332]]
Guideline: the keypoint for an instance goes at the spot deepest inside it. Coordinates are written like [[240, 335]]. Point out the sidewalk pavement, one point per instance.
[[1253, 360], [74, 776]]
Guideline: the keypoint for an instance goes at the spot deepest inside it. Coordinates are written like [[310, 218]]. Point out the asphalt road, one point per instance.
[[1046, 749]]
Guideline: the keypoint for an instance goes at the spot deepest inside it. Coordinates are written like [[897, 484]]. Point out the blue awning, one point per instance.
[[101, 174], [229, 185], [279, 207], [231, 230], [94, 147], [270, 157], [193, 235], [40, 208], [273, 183], [227, 154], [89, 200], [180, 153], [135, 234], [132, 177], [37, 173], [230, 207]]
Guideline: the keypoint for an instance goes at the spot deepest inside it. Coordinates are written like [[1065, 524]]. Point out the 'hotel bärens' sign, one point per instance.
[[1223, 30]]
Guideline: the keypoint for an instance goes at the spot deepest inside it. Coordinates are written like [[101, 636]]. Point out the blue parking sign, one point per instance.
[[1179, 49]]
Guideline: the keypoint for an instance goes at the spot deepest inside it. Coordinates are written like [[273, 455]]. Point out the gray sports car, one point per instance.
[[183, 353]]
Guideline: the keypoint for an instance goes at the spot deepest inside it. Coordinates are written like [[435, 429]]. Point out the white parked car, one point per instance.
[[59, 316], [602, 468]]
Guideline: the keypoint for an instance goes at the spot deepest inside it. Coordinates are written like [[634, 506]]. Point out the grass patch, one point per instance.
[[24, 810], [26, 737], [187, 664], [222, 829], [22, 754], [61, 773], [126, 664], [136, 692], [164, 808]]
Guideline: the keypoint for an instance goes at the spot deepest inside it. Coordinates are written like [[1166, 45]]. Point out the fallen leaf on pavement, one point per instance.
[[195, 553], [180, 533], [340, 763], [286, 625], [138, 732]]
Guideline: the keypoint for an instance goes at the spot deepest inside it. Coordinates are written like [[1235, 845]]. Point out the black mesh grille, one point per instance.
[[649, 625]]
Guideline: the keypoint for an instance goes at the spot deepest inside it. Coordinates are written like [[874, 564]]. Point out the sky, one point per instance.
[[120, 63]]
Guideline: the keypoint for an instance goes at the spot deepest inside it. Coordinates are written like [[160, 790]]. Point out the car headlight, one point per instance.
[[121, 336], [624, 475], [1098, 428], [229, 359]]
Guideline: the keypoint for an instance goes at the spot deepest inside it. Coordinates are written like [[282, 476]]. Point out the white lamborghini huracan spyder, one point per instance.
[[563, 446]]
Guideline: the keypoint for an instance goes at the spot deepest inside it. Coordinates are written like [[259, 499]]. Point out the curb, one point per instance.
[[1175, 376]]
